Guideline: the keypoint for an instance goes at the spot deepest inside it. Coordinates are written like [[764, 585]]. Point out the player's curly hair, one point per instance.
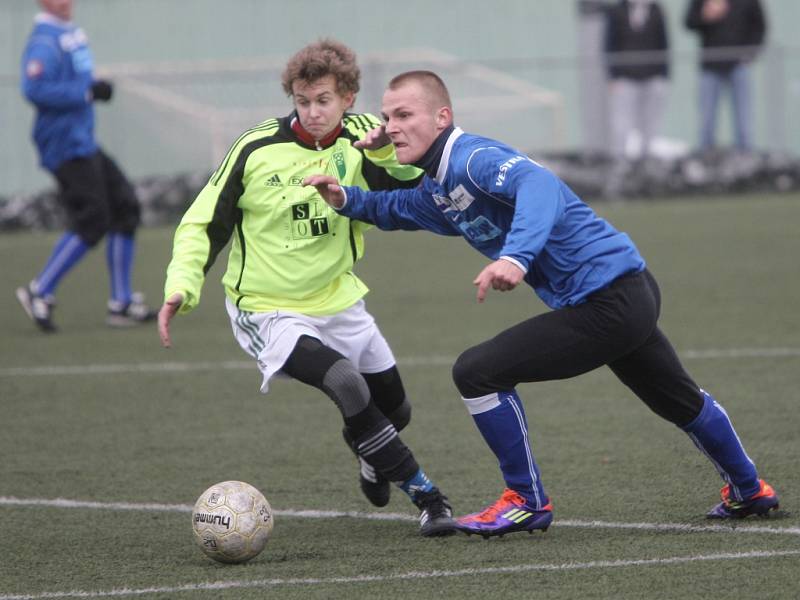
[[324, 57]]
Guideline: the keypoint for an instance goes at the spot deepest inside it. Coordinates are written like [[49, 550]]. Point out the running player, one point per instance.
[[605, 302], [294, 303]]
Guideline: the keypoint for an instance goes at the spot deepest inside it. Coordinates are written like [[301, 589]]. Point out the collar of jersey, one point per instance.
[[308, 140], [44, 17]]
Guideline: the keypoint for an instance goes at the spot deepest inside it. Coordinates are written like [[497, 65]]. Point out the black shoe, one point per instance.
[[133, 313], [38, 308], [375, 486], [436, 515]]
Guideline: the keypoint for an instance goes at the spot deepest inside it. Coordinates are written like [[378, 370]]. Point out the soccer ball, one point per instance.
[[232, 521]]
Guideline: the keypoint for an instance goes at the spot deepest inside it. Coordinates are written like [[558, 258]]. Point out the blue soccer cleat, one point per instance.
[[509, 514], [764, 501]]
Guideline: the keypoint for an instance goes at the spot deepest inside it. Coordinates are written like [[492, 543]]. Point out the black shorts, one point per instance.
[[97, 197], [615, 326]]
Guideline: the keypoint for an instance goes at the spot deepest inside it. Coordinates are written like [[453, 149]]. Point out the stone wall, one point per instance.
[[594, 177]]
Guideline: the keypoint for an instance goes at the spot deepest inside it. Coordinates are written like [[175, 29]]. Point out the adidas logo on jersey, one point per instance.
[[274, 181]]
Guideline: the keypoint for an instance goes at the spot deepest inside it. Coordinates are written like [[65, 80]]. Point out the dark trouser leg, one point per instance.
[[123, 220], [81, 195], [555, 345], [655, 375]]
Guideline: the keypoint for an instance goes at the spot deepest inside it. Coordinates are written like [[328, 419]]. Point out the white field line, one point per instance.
[[408, 576], [416, 361], [388, 516]]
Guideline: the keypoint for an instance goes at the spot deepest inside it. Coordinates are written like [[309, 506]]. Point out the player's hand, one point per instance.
[[168, 310], [328, 187], [501, 275], [375, 139], [102, 90]]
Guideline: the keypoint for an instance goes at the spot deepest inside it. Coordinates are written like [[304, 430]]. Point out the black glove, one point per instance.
[[102, 90]]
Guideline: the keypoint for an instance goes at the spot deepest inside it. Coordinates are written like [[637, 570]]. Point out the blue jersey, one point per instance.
[[506, 205], [57, 78]]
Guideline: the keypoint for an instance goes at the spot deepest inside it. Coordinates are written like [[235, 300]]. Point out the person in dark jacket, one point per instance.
[[636, 46], [731, 33]]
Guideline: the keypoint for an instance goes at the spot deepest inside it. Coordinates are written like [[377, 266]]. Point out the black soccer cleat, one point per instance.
[[38, 308], [375, 486], [436, 515]]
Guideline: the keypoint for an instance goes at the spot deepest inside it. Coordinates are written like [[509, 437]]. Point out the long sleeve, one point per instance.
[[538, 206], [410, 210], [204, 231], [41, 84]]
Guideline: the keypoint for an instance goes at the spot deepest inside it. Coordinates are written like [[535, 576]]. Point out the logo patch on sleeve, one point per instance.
[[34, 68], [505, 167]]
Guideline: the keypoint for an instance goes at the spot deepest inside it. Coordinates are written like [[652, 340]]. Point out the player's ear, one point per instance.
[[444, 117], [349, 100]]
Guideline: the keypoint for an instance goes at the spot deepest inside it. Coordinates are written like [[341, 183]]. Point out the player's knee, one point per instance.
[[469, 375], [389, 395], [92, 228], [128, 218], [401, 415], [346, 387]]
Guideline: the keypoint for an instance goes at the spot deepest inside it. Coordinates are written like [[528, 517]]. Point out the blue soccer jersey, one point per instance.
[[57, 78], [506, 205]]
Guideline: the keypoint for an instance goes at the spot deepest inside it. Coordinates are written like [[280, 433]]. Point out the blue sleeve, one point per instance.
[[539, 204], [41, 65], [410, 210], [534, 193]]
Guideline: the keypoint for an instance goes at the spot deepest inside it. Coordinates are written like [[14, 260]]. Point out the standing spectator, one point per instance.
[[96, 196], [731, 32], [636, 47]]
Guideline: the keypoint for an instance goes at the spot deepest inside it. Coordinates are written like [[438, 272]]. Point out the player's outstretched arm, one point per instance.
[[168, 310], [328, 187], [375, 139], [501, 275]]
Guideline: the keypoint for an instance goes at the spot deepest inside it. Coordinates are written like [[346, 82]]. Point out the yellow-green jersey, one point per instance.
[[290, 251]]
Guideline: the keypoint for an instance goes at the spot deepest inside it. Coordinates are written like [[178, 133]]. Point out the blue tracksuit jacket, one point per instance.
[[506, 205], [56, 78]]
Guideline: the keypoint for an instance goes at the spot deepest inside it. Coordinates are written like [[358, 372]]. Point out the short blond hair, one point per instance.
[[431, 84], [324, 57]]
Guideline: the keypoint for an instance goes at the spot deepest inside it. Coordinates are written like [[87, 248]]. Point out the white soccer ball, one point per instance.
[[232, 521]]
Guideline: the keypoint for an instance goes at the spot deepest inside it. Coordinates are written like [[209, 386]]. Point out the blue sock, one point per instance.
[[713, 434], [120, 250], [416, 484], [501, 420], [67, 252]]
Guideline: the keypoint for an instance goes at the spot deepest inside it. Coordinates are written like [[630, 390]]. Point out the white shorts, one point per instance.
[[270, 337]]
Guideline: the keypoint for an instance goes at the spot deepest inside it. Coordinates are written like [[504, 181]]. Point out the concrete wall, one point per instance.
[[534, 41]]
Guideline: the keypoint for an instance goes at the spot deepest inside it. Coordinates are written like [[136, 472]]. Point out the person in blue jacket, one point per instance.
[[97, 198], [605, 302]]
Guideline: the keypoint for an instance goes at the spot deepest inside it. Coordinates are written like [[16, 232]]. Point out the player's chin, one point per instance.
[[404, 154]]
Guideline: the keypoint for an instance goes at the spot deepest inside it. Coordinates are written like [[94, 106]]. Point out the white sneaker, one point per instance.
[[133, 313], [38, 308]]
